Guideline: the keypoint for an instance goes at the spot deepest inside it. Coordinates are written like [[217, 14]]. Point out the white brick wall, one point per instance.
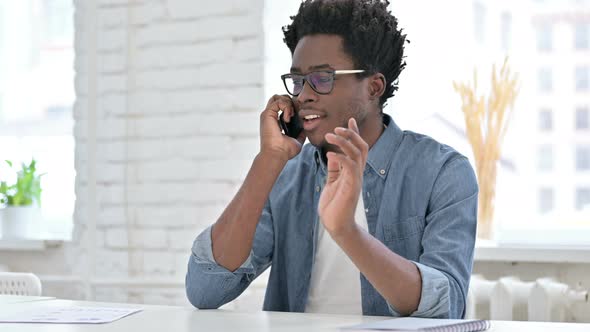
[[173, 82]]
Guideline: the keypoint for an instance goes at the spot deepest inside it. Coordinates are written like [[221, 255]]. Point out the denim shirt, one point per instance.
[[420, 200]]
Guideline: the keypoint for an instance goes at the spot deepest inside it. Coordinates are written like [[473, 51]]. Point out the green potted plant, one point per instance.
[[21, 201]]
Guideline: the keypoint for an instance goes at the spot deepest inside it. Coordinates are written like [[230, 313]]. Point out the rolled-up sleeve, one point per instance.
[[210, 285], [202, 252], [448, 243]]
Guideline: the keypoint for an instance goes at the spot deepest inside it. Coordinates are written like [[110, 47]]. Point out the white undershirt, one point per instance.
[[335, 286]]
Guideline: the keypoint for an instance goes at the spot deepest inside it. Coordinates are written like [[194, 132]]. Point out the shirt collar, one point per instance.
[[381, 153]]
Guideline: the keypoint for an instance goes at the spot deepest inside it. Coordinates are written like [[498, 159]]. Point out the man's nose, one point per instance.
[[307, 94]]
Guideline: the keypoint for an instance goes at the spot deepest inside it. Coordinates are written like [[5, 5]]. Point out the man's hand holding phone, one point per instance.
[[233, 233], [272, 140]]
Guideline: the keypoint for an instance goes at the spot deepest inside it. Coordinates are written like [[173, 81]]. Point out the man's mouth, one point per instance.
[[310, 122]]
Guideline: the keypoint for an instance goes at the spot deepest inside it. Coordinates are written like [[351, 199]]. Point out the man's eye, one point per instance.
[[321, 79]]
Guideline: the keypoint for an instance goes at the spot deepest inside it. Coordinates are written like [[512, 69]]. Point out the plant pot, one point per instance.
[[17, 221]]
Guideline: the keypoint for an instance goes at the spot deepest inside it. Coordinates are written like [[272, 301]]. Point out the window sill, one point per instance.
[[33, 243], [489, 251], [40, 237], [28, 244]]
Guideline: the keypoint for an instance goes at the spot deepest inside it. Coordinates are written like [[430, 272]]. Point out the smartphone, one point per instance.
[[292, 128]]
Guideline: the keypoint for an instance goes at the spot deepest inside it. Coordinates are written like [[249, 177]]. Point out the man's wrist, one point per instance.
[[273, 159], [348, 232]]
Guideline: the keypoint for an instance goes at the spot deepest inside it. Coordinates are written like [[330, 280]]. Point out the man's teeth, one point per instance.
[[311, 117]]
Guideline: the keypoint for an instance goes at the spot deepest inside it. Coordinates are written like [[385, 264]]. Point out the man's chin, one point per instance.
[[317, 140], [325, 147]]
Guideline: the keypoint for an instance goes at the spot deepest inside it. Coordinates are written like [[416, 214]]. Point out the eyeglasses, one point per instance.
[[321, 82]]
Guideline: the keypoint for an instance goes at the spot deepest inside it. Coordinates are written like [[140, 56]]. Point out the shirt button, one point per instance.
[[366, 210], [382, 172], [317, 188]]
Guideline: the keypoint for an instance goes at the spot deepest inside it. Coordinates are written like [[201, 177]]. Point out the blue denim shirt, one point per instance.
[[420, 199]]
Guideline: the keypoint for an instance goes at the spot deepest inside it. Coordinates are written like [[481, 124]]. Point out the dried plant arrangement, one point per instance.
[[486, 122]]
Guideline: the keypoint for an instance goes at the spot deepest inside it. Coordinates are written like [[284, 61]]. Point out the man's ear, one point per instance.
[[376, 85]]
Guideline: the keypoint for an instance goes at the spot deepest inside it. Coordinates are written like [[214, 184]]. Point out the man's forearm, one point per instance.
[[397, 279], [233, 233]]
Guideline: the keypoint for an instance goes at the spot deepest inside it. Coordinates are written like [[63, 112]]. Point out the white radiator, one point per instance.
[[551, 300], [510, 298]]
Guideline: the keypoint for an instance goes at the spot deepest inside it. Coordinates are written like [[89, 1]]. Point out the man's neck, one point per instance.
[[371, 129]]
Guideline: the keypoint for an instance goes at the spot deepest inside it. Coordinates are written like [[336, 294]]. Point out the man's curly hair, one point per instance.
[[369, 32]]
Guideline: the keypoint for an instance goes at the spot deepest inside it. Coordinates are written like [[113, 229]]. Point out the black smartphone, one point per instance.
[[292, 128]]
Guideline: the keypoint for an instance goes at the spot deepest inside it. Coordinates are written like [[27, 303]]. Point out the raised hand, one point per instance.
[[344, 182]]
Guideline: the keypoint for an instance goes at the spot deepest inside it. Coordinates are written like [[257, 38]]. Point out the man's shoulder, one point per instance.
[[425, 161], [421, 141], [425, 152]]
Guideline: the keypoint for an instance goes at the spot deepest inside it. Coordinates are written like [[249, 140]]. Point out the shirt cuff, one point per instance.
[[203, 255], [434, 296]]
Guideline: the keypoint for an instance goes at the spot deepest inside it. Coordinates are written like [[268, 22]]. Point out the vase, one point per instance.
[[17, 221], [486, 199]]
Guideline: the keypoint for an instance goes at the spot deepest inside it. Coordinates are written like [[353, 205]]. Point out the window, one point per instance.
[[581, 36], [57, 25], [2, 61], [583, 198], [479, 22], [545, 80], [545, 158], [544, 37], [2, 13], [545, 120], [582, 118], [583, 158], [546, 200], [582, 78], [36, 98], [506, 34]]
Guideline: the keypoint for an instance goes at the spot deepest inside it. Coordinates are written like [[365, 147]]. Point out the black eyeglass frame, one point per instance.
[[305, 78]]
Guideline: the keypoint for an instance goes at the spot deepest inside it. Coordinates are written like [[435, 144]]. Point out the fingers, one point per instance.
[[279, 103], [294, 108], [353, 125], [335, 161], [354, 149], [350, 142], [345, 145], [356, 138], [333, 167]]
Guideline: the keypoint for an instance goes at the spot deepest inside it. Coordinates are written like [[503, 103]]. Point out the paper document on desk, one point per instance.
[[70, 315], [424, 324]]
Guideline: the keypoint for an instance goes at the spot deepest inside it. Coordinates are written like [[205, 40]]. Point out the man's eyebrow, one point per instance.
[[322, 66]]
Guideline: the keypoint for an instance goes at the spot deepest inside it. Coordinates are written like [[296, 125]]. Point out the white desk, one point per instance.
[[180, 319], [11, 299]]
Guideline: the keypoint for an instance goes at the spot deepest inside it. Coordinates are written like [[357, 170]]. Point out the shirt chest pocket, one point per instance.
[[404, 237]]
